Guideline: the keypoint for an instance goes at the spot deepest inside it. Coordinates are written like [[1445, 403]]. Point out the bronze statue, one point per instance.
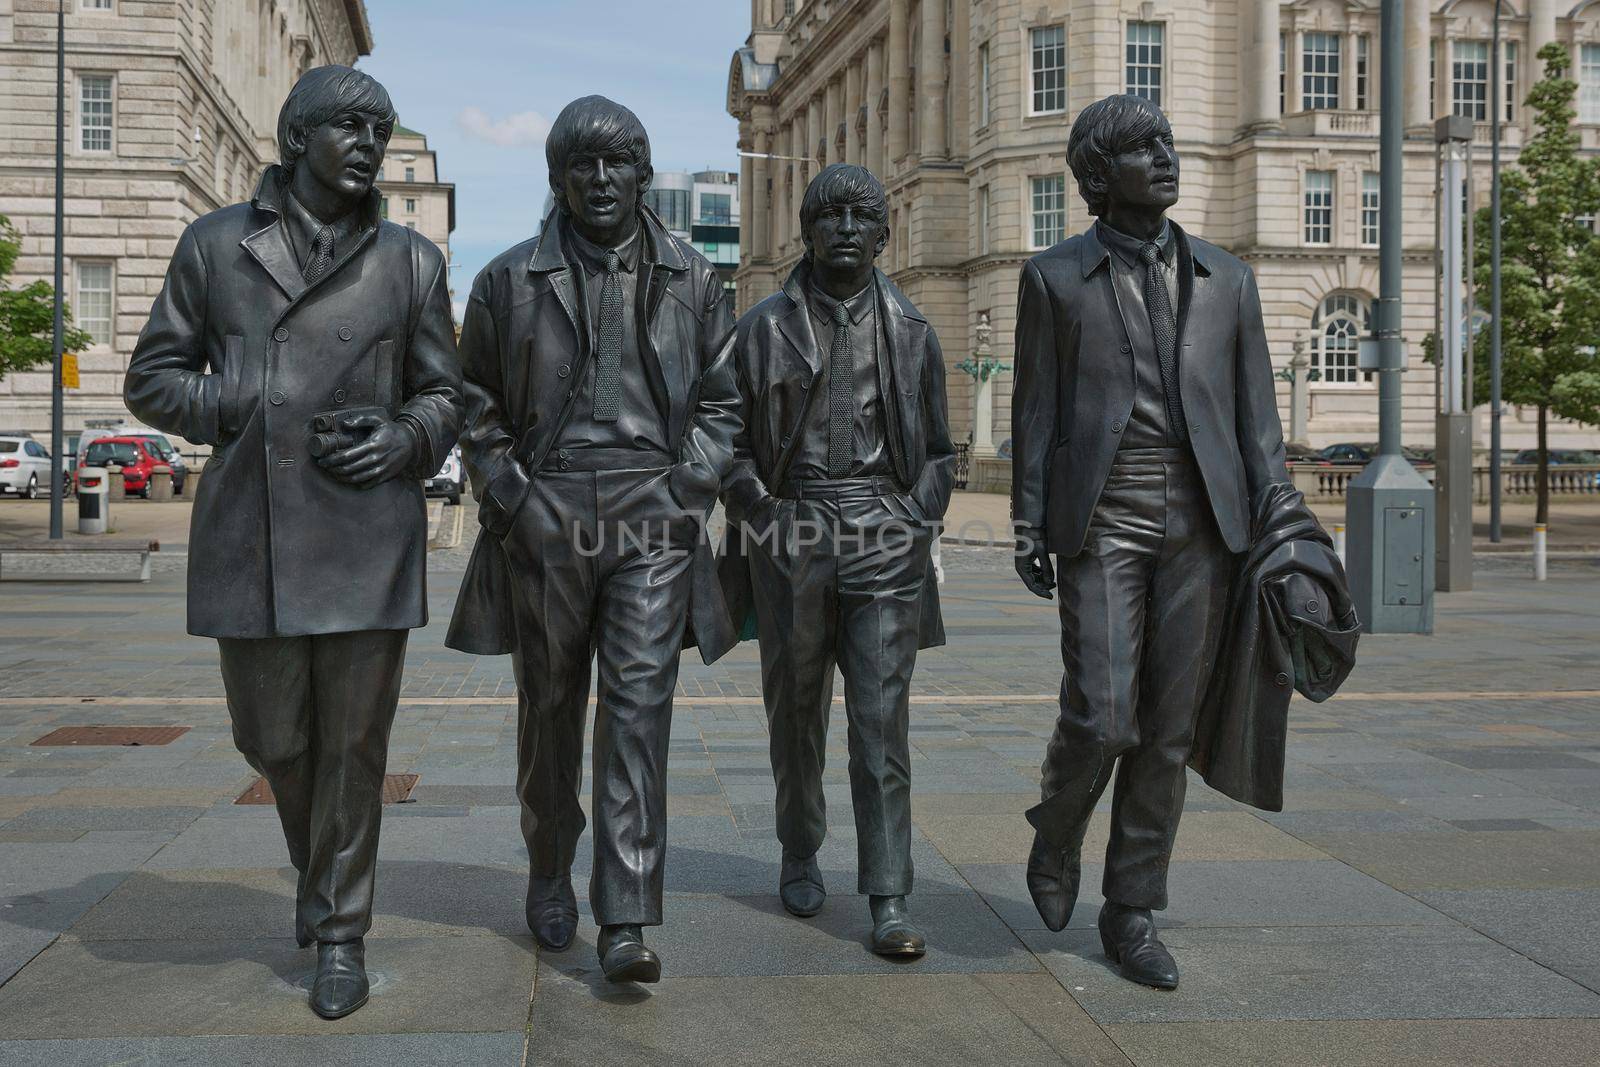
[[320, 365], [1145, 428], [601, 411], [840, 480]]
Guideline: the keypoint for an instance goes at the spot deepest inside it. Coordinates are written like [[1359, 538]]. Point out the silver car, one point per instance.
[[24, 467]]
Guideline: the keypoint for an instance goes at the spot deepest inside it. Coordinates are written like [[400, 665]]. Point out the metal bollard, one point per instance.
[[94, 511], [1338, 540], [1541, 559]]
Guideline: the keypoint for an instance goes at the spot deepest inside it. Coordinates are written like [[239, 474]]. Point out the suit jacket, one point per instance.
[[778, 363], [523, 346], [239, 352], [1075, 386], [1291, 623]]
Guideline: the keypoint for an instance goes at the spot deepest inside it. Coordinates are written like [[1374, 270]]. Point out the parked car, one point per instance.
[[134, 455], [24, 466], [1580, 457], [451, 481], [1347, 452], [1296, 453], [170, 456]]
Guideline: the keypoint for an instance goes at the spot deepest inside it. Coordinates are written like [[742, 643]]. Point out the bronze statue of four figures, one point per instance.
[[605, 399]]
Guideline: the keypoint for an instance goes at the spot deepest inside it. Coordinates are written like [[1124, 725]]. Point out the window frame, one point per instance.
[[1033, 210], [110, 80], [1034, 71], [1328, 78], [1486, 63], [98, 7], [1340, 306], [1362, 72], [985, 86], [1157, 69], [1588, 88], [79, 317], [1307, 207], [1371, 190]]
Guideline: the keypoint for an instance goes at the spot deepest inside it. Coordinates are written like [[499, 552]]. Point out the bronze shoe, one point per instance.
[[552, 910], [623, 956], [800, 886], [1129, 937], [892, 931], [341, 983], [1053, 881]]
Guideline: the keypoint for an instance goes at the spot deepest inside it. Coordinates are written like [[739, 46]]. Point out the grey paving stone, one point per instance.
[[1559, 928], [366, 1050], [152, 818], [1390, 972], [1546, 859]]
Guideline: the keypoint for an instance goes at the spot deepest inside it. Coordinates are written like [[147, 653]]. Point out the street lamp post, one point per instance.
[[1391, 538], [1453, 429], [1494, 284], [56, 436]]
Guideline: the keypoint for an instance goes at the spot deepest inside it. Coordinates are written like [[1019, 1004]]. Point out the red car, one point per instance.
[[134, 455]]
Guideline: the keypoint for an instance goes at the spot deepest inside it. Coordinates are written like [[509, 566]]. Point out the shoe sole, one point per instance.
[[1116, 959], [904, 952], [341, 1014], [800, 913], [644, 971], [554, 946]]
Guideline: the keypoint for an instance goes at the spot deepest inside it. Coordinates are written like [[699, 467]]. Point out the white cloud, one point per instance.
[[524, 129]]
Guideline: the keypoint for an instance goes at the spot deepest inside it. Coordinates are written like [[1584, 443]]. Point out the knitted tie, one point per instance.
[[1163, 327], [841, 394], [608, 357], [321, 254]]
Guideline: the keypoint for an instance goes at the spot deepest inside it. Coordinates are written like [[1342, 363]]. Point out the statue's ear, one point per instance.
[[293, 146], [647, 174], [883, 241]]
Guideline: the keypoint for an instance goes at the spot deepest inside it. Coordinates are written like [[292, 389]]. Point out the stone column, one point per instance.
[[814, 119], [852, 111], [756, 198], [833, 114], [1259, 59], [1418, 34], [1541, 31], [931, 82], [874, 160], [899, 80]]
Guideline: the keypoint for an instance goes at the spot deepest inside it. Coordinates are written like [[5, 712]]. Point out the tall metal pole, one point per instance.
[[56, 438], [1494, 287], [1388, 506]]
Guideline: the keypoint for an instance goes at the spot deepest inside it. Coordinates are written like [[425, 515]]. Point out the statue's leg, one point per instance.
[[355, 681]]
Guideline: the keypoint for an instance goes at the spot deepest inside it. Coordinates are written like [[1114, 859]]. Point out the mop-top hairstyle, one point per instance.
[[839, 185], [598, 126], [323, 94], [1104, 130]]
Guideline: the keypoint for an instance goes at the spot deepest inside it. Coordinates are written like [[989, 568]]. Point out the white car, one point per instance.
[[451, 481], [24, 467]]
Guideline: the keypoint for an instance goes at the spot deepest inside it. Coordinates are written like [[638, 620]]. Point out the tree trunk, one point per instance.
[[1541, 511]]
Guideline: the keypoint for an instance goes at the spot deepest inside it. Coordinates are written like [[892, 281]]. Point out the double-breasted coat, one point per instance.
[[778, 363], [523, 351], [239, 353], [1075, 386]]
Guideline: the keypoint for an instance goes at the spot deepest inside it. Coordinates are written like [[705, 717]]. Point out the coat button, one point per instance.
[[784, 443], [805, 384], [1116, 427], [345, 333], [1126, 348], [338, 396], [280, 335], [277, 398], [564, 371], [1282, 679], [1311, 605]]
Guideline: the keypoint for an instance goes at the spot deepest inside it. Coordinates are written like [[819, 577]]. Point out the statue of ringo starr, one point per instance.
[[1145, 425], [840, 479], [320, 363], [601, 411]]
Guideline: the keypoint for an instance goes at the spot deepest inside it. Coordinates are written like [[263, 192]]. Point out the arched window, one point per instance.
[[1337, 327]]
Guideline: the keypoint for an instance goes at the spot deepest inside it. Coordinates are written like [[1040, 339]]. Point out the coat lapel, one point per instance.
[[795, 325], [271, 249], [898, 368]]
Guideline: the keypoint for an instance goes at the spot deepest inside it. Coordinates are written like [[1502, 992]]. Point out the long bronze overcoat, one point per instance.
[[239, 353], [522, 352]]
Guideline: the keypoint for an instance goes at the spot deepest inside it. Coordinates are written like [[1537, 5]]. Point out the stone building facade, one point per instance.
[[171, 112], [963, 109], [413, 193]]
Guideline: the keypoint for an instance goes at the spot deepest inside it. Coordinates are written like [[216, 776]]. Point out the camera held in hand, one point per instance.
[[335, 431]]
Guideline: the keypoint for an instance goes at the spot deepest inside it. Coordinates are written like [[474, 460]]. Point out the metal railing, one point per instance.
[[1328, 482]]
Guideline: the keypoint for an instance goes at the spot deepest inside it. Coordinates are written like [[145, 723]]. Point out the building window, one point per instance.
[[1283, 73], [983, 220], [1049, 210], [1146, 45], [1319, 72], [1589, 83], [92, 310], [1363, 77], [1508, 98], [672, 205], [411, 174], [1049, 51], [1319, 207], [1469, 79], [411, 206], [983, 84], [1370, 191], [716, 209], [1336, 331], [98, 5], [383, 207], [94, 112], [788, 8]]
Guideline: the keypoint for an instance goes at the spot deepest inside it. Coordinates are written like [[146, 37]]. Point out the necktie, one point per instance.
[[321, 254], [608, 357], [1164, 328], [841, 394]]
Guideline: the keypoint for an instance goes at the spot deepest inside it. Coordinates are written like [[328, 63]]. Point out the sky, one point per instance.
[[485, 78]]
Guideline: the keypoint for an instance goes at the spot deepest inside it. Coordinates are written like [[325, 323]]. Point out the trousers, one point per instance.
[[600, 572], [837, 580], [1143, 607], [312, 716]]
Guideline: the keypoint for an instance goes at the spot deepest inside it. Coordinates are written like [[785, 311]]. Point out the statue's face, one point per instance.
[[602, 191], [845, 237], [1145, 175], [344, 154]]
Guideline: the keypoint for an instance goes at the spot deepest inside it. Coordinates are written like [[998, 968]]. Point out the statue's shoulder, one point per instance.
[[1217, 260], [231, 224]]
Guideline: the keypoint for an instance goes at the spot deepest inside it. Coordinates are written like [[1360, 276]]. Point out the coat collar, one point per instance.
[[660, 249], [1093, 253], [270, 245], [794, 321]]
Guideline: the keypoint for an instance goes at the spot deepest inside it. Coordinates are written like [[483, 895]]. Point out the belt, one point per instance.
[[873, 485], [1151, 457], [606, 459]]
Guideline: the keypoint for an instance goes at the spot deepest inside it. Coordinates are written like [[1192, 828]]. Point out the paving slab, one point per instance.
[[1546, 859], [1559, 928], [279, 1050]]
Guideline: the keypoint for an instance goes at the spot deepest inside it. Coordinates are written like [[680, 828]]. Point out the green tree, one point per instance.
[[27, 315], [1550, 270]]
